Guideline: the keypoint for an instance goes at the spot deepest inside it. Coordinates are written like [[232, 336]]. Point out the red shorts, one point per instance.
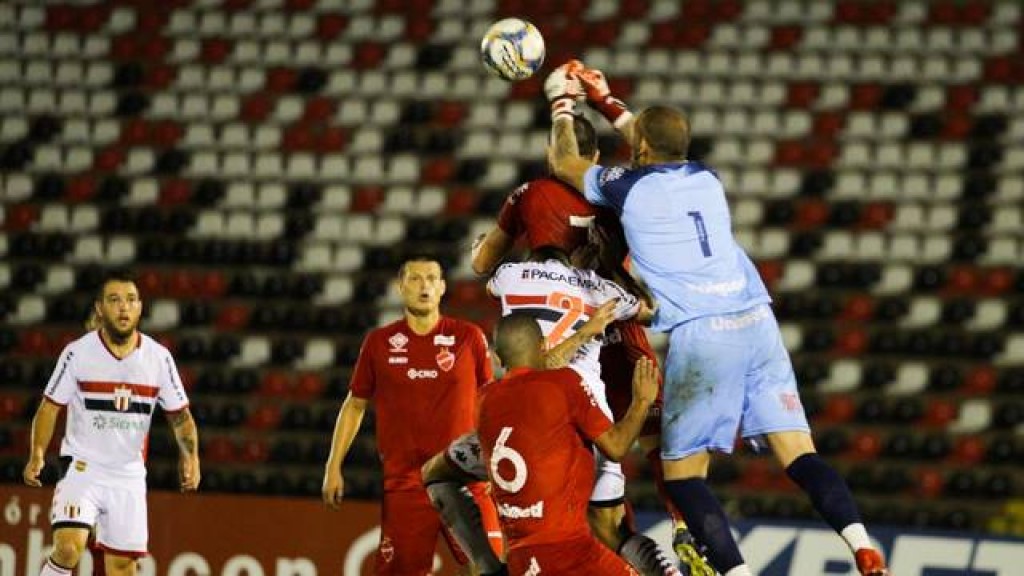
[[410, 526], [625, 344], [580, 556]]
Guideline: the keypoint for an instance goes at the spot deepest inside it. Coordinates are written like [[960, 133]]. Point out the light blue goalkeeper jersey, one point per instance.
[[679, 232]]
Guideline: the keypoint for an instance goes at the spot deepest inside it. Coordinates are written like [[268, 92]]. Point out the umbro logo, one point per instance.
[[398, 342]]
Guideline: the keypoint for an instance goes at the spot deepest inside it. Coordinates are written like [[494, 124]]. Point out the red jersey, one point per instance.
[[531, 426], [424, 390], [547, 213]]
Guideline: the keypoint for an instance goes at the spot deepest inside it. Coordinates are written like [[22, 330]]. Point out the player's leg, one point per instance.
[[408, 534], [73, 514], [683, 543], [446, 476], [704, 375], [68, 545], [774, 410], [118, 565], [606, 515]]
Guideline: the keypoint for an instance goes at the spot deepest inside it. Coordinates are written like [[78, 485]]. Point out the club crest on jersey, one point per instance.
[[398, 342], [445, 359], [444, 340], [387, 549], [122, 398]]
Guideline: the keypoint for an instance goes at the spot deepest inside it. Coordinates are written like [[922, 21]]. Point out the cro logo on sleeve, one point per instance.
[[413, 374]]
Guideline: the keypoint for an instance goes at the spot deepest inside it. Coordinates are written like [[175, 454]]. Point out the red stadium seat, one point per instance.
[[859, 308], [969, 450], [174, 192], [20, 217], [309, 386], [330, 25], [866, 446], [275, 384], [219, 449], [254, 450], [256, 108], [281, 79], [981, 380], [367, 198], [940, 413], [930, 483], [784, 38], [215, 50], [264, 417], [368, 55], [438, 171]]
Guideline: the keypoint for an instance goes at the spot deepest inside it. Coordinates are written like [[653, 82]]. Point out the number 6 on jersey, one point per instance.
[[503, 452]]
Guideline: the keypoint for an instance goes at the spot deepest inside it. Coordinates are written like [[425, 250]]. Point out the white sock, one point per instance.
[[856, 536], [740, 570], [50, 568]]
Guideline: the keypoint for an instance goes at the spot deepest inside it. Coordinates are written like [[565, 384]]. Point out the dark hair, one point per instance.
[[113, 276], [666, 130], [515, 336], [548, 252], [418, 257], [586, 136]]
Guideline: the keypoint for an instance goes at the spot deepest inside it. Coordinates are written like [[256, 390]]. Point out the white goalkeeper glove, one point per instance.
[[563, 89], [599, 96]]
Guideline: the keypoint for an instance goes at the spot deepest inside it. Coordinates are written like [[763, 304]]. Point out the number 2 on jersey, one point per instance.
[[572, 308], [702, 233]]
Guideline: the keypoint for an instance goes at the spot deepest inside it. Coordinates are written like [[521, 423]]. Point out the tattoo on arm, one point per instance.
[[565, 139], [184, 431]]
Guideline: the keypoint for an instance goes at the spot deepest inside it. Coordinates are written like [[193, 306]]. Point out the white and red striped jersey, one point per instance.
[[561, 298], [110, 401]]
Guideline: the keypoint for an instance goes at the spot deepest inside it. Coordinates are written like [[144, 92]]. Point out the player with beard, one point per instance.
[[110, 381], [414, 370]]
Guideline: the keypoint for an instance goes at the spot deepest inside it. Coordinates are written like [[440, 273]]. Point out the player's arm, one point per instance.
[[43, 424], [345, 428], [187, 437], [564, 154], [617, 440], [560, 355], [490, 249]]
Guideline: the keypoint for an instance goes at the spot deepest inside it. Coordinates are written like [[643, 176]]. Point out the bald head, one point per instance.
[[518, 341], [666, 133]]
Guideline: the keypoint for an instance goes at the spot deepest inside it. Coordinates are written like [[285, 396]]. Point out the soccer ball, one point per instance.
[[512, 49]]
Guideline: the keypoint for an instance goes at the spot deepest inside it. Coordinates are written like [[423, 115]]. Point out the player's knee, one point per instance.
[[67, 551], [120, 565]]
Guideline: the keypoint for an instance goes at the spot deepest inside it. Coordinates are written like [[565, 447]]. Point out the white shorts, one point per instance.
[[115, 506]]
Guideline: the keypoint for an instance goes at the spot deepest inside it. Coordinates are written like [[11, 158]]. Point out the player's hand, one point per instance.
[[188, 473], [645, 381], [30, 474], [599, 96], [594, 84], [562, 88], [600, 319], [333, 489]]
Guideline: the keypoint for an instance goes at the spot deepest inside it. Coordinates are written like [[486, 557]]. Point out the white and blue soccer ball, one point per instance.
[[512, 49]]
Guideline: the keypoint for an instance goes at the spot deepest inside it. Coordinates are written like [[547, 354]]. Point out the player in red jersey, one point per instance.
[[534, 426], [110, 382], [547, 212], [413, 369]]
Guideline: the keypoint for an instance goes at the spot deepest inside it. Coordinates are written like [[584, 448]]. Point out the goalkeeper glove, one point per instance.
[[562, 89], [599, 96]]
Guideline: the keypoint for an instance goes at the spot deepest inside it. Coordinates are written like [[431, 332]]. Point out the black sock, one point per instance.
[[827, 490], [706, 520]]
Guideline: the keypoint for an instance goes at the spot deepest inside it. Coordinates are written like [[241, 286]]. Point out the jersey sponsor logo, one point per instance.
[[415, 374], [535, 510], [444, 340], [574, 281], [445, 359], [719, 288], [398, 342], [113, 423], [397, 360]]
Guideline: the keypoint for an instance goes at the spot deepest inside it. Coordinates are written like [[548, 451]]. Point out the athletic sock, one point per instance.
[[741, 570], [828, 493], [51, 568], [856, 536], [461, 515], [707, 522], [658, 471]]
